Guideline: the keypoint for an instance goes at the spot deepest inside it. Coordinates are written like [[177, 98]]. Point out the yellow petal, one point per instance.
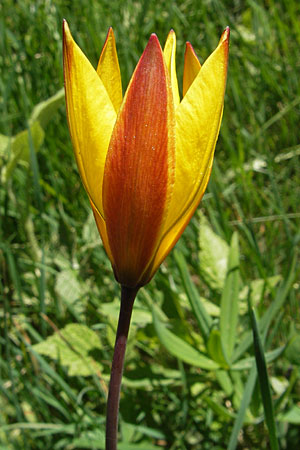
[[192, 67], [198, 119], [139, 169], [91, 117], [170, 58], [109, 70]]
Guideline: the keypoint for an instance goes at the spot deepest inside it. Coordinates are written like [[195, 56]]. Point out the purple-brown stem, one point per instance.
[[112, 412]]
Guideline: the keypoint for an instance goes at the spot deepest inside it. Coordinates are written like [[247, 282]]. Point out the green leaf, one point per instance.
[[179, 348], [219, 409], [213, 256], [90, 439], [225, 382], [247, 363], [19, 148], [292, 416], [141, 446], [211, 308], [72, 346], [70, 290], [273, 309], [258, 288], [264, 384], [203, 319], [292, 351], [238, 423], [45, 110], [215, 349], [5, 142], [229, 300]]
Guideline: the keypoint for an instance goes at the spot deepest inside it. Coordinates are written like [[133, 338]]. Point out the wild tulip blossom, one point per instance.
[[145, 159]]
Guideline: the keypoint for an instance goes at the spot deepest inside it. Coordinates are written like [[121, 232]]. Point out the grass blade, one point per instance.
[[238, 423], [264, 381]]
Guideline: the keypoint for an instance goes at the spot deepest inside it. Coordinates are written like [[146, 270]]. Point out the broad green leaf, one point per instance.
[[67, 286], [213, 256], [214, 348], [179, 348], [229, 300], [225, 382], [130, 432], [292, 416], [45, 110], [16, 148], [19, 148], [71, 291], [201, 315], [72, 346], [292, 351]]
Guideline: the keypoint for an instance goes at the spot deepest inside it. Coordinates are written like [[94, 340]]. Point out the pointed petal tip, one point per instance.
[[189, 50], [225, 35], [153, 37], [65, 25], [153, 41], [109, 34], [67, 37], [189, 47]]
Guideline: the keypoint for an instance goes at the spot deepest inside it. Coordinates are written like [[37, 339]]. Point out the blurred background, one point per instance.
[[189, 382]]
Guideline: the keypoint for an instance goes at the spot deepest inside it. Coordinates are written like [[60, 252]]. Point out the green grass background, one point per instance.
[[53, 269]]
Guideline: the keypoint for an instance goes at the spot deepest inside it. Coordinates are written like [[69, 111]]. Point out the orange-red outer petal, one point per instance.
[[139, 170]]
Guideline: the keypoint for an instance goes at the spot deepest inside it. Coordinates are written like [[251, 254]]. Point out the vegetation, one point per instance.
[[190, 380]]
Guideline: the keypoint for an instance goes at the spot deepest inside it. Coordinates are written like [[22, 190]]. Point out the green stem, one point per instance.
[[127, 299]]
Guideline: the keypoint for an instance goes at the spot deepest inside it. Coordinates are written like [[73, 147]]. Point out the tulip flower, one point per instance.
[[144, 160]]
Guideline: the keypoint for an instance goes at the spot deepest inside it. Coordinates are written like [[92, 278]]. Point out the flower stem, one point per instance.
[[127, 299]]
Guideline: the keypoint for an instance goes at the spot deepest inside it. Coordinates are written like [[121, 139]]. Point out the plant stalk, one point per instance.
[[112, 412]]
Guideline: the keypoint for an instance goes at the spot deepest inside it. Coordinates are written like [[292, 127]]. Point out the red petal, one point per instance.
[[139, 170]]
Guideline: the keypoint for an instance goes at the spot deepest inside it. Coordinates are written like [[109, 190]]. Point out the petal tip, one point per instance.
[[67, 37], [153, 42], [109, 35], [65, 25], [153, 38], [226, 35], [189, 48], [110, 32]]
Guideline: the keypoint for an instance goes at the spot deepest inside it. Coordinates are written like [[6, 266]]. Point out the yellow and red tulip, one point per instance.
[[145, 159]]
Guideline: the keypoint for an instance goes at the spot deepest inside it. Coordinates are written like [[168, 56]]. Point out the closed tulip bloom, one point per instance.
[[145, 159]]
